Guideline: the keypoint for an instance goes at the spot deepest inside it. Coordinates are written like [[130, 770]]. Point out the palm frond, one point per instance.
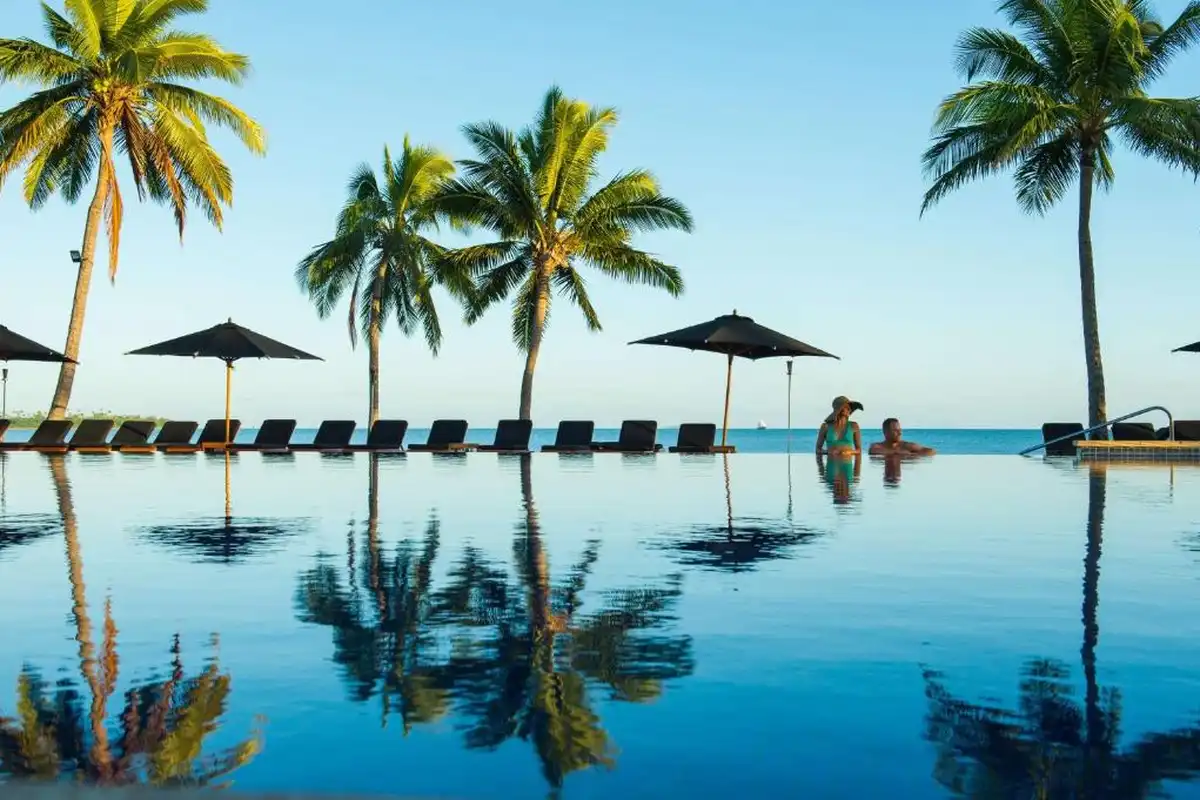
[[572, 285], [631, 201], [524, 311], [1174, 40], [1167, 130], [999, 55], [186, 100], [190, 56], [633, 266], [499, 281], [1047, 173], [24, 60], [87, 23]]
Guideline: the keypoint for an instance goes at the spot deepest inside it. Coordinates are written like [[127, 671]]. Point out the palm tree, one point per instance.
[[109, 84], [534, 190], [1054, 99], [379, 253]]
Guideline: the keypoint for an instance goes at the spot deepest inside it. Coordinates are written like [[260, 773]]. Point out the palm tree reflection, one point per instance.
[[1052, 748], [162, 729], [512, 657]]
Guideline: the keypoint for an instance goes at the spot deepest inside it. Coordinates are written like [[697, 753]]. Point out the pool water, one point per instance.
[[602, 626]]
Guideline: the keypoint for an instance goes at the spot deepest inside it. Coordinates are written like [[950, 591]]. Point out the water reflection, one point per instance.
[[1053, 747], [512, 656], [63, 731], [840, 474], [226, 539], [739, 544]]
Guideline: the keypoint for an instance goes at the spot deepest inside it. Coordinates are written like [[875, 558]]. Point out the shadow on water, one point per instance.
[[1053, 746], [64, 731], [226, 539], [738, 544], [512, 656]]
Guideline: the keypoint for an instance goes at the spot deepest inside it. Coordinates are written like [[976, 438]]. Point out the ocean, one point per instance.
[[949, 441]]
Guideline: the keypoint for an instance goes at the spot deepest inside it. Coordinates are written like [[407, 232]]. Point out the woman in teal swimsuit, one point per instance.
[[839, 436]]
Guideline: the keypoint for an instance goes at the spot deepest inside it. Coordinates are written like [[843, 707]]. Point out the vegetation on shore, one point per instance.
[[112, 84], [26, 419], [1054, 99]]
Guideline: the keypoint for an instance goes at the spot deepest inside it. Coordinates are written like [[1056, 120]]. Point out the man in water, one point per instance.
[[894, 445]]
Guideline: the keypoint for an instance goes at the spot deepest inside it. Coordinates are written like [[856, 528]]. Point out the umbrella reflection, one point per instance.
[[739, 544], [163, 726], [511, 658], [226, 539], [20, 529], [1053, 747]]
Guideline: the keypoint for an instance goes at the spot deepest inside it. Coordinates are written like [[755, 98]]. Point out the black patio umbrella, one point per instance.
[[1194, 347], [15, 347], [735, 335], [229, 343]]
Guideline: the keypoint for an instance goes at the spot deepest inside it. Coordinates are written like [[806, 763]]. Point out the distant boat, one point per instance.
[[762, 426]]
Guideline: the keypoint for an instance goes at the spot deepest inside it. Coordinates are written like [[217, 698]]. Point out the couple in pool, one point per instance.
[[840, 436]]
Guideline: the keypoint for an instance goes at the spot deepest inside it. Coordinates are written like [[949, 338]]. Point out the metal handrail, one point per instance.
[[1070, 436]]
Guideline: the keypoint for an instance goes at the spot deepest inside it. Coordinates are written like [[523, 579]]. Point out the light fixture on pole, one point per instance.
[[76, 257], [789, 399], [4, 393]]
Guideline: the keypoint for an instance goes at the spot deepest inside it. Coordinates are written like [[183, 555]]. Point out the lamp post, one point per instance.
[[789, 396], [4, 393]]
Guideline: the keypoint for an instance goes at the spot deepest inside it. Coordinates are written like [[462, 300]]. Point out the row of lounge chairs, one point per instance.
[[386, 435], [1185, 431]]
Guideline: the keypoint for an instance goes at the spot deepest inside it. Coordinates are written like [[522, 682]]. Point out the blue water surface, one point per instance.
[[603, 625]]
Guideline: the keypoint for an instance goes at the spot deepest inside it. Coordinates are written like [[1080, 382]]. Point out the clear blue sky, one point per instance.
[[794, 137]]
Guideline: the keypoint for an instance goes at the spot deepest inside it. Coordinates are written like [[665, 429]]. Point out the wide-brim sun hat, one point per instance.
[[842, 400]]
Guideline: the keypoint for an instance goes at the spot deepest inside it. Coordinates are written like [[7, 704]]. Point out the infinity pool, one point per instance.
[[602, 627]]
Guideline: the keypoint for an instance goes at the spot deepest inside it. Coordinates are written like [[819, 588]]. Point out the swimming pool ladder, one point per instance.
[[1079, 434]]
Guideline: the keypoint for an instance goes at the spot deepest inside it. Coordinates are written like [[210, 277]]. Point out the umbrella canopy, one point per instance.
[[15, 347], [1194, 347], [229, 343], [735, 335]]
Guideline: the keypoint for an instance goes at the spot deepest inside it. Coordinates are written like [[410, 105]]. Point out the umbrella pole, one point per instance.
[[228, 494], [728, 385], [228, 398]]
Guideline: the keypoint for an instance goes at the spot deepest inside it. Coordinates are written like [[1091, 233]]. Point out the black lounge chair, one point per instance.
[[573, 436], [1133, 432], [133, 432], [3, 428], [171, 434], [49, 436], [512, 436], [1053, 430], [332, 437], [385, 436], [212, 437], [699, 437], [1186, 430], [92, 434], [445, 436], [273, 436], [637, 436]]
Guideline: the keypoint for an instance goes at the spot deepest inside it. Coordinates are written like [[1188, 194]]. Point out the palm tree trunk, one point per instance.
[[373, 346], [541, 305], [1097, 404], [83, 281]]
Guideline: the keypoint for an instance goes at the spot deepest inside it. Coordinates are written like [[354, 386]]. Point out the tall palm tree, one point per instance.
[[110, 85], [534, 189], [380, 255], [1051, 101]]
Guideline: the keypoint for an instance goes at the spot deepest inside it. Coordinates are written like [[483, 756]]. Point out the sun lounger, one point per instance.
[[91, 433], [51, 434], [212, 437], [1186, 430], [637, 436], [1053, 430], [1133, 432], [273, 436], [385, 436], [133, 432], [699, 437], [3, 428], [573, 436], [445, 436], [171, 434], [332, 437], [512, 436]]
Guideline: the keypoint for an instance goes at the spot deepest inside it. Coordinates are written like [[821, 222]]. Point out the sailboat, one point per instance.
[[762, 426]]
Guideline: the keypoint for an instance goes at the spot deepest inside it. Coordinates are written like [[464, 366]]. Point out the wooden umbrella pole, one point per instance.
[[728, 386], [228, 397]]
